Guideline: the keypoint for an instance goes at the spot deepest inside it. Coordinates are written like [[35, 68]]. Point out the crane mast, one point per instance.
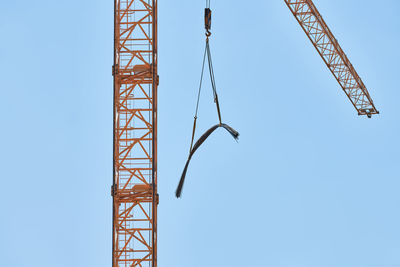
[[329, 49], [134, 188]]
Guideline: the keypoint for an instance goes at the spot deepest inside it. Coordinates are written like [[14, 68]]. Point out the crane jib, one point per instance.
[[311, 21]]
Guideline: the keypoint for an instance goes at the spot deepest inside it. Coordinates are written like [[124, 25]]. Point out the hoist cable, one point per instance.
[[201, 81], [198, 98], [214, 86]]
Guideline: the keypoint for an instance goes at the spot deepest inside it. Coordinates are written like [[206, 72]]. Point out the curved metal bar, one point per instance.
[[199, 142]]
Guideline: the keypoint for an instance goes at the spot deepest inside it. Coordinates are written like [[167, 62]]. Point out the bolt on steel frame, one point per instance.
[[329, 49], [134, 188]]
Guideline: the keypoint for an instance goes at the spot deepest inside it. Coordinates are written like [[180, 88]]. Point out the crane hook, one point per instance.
[[207, 21]]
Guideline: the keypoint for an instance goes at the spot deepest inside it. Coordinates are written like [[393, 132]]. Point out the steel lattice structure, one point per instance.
[[329, 49], [134, 188]]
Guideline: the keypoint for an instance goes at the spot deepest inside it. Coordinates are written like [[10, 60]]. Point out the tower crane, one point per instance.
[[134, 187]]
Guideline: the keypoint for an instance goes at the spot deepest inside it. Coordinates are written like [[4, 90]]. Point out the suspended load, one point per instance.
[[200, 141]]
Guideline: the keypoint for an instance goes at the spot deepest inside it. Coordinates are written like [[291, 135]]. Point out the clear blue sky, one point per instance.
[[309, 183]]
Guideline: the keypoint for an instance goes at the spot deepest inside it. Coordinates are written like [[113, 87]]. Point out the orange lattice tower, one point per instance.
[[134, 188]]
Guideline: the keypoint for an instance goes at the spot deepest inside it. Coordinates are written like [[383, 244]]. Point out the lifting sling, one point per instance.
[[200, 141]]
